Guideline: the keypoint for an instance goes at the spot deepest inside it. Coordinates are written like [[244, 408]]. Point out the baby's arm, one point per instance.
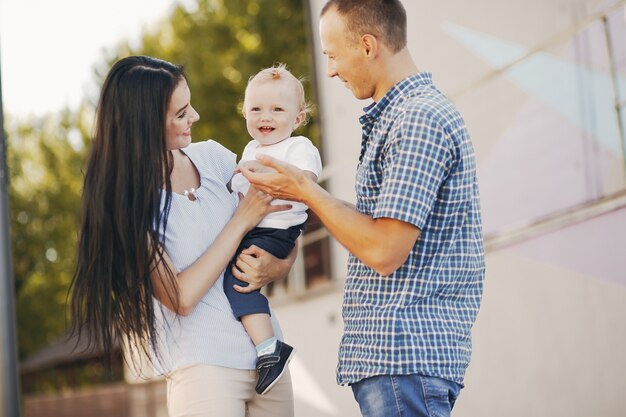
[[308, 174], [258, 167], [254, 166]]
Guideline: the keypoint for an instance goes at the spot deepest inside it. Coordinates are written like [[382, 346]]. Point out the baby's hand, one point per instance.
[[254, 166]]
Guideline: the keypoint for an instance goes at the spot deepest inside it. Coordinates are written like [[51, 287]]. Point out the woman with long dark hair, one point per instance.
[[159, 227]]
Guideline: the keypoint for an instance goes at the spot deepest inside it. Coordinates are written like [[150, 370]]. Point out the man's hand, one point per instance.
[[254, 166], [283, 180]]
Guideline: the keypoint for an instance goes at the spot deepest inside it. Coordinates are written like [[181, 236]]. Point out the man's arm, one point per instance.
[[382, 244]]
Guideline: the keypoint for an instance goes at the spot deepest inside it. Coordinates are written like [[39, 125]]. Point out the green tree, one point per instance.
[[45, 158], [221, 43]]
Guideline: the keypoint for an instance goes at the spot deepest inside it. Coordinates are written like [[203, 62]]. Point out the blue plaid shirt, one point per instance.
[[417, 165]]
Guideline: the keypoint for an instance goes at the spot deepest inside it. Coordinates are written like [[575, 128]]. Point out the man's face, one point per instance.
[[346, 57]]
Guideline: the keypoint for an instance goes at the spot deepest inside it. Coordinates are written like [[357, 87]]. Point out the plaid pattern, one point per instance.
[[417, 165]]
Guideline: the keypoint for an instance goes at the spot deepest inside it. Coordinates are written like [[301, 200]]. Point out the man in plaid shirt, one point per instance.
[[416, 269]]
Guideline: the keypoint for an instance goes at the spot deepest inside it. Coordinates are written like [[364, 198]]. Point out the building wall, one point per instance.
[[538, 82], [112, 400]]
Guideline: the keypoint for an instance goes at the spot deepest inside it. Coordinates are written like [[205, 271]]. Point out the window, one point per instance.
[[616, 33], [312, 268]]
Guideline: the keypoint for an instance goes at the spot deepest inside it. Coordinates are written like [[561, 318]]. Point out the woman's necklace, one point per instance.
[[190, 194]]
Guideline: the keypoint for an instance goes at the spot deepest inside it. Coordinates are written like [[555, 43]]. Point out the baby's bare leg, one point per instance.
[[258, 326]]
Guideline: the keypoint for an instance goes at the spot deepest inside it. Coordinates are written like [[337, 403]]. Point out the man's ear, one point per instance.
[[369, 45]]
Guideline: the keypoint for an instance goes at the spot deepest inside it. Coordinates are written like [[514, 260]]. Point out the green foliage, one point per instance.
[[45, 158], [221, 43]]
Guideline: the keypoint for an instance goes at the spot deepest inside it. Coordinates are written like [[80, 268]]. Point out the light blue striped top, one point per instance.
[[210, 334]]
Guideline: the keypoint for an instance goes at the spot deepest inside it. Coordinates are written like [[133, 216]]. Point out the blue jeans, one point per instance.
[[405, 396]]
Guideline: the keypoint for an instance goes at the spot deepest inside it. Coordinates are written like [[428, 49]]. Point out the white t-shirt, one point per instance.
[[296, 150]]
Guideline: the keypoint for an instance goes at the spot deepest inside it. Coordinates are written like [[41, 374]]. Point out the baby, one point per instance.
[[274, 106]]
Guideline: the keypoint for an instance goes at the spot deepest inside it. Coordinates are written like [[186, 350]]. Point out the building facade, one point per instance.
[[542, 86]]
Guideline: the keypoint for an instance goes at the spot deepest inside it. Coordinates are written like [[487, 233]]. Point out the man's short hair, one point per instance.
[[384, 19]]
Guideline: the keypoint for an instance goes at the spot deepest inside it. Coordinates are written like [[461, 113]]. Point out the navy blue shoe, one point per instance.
[[272, 366]]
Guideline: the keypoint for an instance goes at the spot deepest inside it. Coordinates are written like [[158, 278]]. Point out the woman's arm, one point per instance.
[[195, 281], [258, 267]]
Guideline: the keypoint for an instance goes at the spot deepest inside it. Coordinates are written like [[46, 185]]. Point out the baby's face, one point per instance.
[[272, 111]]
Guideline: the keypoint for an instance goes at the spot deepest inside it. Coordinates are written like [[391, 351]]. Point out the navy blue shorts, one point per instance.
[[278, 242]]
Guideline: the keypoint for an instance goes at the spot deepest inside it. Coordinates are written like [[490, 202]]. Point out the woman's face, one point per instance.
[[180, 117]]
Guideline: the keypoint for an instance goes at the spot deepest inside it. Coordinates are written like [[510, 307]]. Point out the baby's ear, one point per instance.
[[300, 118]]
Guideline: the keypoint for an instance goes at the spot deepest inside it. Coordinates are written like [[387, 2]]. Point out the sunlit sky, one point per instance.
[[48, 48]]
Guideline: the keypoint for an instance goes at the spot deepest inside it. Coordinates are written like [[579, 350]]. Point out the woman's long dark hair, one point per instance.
[[127, 170]]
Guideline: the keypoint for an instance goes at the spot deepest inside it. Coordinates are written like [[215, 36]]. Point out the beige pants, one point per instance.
[[213, 391]]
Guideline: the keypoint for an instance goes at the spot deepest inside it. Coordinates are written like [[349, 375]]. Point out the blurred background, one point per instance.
[[542, 87]]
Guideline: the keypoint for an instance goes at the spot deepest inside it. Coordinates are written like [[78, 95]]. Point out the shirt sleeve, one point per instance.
[[249, 152], [304, 155], [415, 165], [220, 160]]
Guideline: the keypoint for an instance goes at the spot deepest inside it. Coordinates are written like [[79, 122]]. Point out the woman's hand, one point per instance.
[[254, 206], [258, 267]]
